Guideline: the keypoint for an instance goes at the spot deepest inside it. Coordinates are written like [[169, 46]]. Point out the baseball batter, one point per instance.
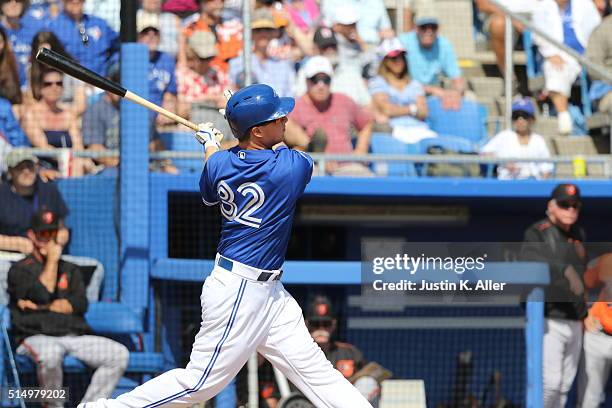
[[245, 307]]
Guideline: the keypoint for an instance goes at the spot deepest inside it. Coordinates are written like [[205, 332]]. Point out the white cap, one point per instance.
[[346, 14], [391, 46], [147, 20], [317, 65]]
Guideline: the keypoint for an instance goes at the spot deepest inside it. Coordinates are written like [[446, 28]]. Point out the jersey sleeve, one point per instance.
[[207, 183], [302, 166]]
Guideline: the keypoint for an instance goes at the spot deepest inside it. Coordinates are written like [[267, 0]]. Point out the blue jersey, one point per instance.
[[161, 77], [100, 47], [21, 41], [257, 191]]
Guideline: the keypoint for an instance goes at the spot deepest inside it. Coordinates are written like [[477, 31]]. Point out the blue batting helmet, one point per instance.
[[255, 105]]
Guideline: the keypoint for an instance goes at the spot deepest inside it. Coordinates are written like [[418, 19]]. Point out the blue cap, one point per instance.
[[523, 105], [421, 21]]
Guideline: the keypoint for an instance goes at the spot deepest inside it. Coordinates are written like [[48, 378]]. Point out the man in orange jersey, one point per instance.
[[597, 343]]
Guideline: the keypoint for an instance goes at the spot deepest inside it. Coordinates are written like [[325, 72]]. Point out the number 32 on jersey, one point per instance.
[[229, 209]]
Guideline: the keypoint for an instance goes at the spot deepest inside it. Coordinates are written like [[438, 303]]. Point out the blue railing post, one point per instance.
[[534, 332], [134, 179]]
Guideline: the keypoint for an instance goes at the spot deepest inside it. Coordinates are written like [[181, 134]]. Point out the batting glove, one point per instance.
[[208, 135]]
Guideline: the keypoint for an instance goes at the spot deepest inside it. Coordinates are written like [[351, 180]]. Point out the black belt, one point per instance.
[[263, 277]]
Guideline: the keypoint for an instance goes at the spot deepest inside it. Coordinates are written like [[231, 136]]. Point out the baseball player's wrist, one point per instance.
[[211, 144]]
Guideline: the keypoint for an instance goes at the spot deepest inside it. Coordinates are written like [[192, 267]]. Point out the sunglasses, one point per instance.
[[566, 205], [323, 324], [521, 115], [49, 83], [47, 234], [326, 79], [425, 27]]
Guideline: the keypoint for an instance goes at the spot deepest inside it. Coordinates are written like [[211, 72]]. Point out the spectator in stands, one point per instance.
[[494, 24], [594, 368], [48, 124], [162, 79], [10, 130], [347, 79], [269, 394], [351, 47], [569, 23], [107, 10], [322, 120], [24, 194], [101, 129], [101, 124], [304, 14], [9, 77], [48, 305], [10, 96], [201, 79], [345, 357], [373, 24], [288, 42], [87, 38], [75, 91], [279, 74], [227, 31], [599, 51], [168, 23], [521, 142], [431, 58], [558, 241], [20, 30], [399, 99]]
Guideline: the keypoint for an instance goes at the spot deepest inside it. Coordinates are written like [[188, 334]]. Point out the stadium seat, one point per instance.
[[110, 319], [469, 122], [383, 143], [576, 145]]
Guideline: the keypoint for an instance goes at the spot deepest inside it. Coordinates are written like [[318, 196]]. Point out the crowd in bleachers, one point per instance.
[[330, 55]]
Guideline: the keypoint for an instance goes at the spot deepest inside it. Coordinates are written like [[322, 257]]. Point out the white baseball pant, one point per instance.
[[561, 353], [241, 315], [107, 356], [594, 369]]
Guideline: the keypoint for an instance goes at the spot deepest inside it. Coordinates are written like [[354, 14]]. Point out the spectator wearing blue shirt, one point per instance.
[[9, 127], [20, 30], [397, 97], [87, 38], [431, 57], [279, 74], [570, 23], [373, 23], [162, 79]]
